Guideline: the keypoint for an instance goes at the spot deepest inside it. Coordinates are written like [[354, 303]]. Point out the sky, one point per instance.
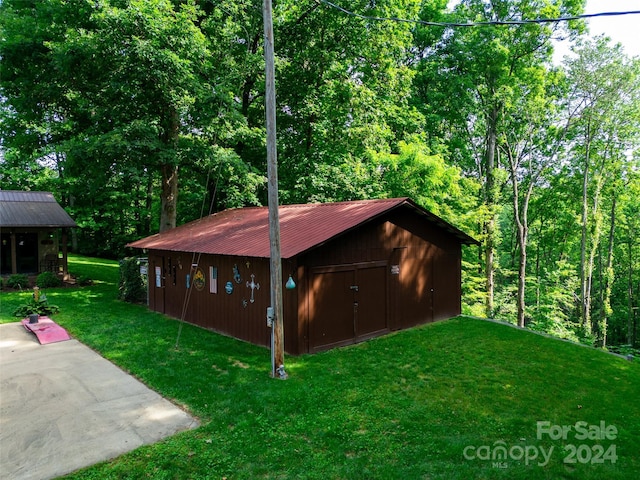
[[622, 29]]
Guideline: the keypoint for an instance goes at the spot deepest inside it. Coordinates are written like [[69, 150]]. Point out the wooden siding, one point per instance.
[[416, 279], [240, 314]]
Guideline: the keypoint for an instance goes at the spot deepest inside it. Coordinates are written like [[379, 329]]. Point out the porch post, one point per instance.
[[14, 254], [65, 270]]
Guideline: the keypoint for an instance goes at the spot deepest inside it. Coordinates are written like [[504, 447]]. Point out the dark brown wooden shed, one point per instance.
[[361, 269]]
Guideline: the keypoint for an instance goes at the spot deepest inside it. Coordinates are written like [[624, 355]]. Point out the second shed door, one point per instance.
[[348, 304]]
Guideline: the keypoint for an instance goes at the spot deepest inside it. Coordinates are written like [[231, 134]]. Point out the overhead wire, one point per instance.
[[196, 261], [479, 24]]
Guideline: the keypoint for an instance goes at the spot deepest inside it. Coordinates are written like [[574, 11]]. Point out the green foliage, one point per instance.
[[84, 281], [427, 179], [133, 92], [132, 287], [626, 350], [346, 87], [473, 284], [38, 303], [18, 281], [48, 280]]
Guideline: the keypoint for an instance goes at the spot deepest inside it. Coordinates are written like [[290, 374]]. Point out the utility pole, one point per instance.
[[276, 314]]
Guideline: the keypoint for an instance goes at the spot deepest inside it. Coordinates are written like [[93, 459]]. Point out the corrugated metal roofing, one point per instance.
[[32, 209], [245, 231]]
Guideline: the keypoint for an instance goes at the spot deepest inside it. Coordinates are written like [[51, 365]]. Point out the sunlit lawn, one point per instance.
[[425, 403]]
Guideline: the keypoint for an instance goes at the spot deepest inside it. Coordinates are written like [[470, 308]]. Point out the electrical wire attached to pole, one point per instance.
[[478, 24]]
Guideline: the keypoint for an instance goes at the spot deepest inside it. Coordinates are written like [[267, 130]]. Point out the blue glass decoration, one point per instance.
[[290, 285], [228, 288]]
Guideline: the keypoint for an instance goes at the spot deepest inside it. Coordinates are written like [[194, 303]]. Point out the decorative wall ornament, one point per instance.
[[228, 288], [213, 280], [236, 274], [253, 286], [199, 279]]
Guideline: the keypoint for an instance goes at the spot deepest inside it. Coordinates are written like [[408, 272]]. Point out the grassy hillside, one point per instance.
[[435, 402]]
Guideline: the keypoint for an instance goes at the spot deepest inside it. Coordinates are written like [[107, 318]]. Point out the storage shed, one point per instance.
[[360, 268], [33, 233]]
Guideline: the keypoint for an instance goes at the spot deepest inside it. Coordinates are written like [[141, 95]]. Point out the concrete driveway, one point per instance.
[[64, 407]]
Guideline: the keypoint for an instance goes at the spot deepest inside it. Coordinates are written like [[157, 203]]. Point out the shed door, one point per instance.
[[331, 309], [26, 253], [371, 299], [157, 283], [347, 304]]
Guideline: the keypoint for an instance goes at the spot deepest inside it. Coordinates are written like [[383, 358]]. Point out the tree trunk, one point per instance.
[[631, 315], [585, 292], [522, 272], [595, 245], [522, 232], [169, 197], [146, 224], [74, 232], [169, 190], [490, 200], [608, 278]]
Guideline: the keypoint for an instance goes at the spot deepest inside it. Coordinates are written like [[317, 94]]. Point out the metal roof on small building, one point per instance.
[[245, 231], [32, 209]]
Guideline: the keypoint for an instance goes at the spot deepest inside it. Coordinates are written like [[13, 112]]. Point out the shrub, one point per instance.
[[18, 281], [132, 287], [48, 280], [37, 304], [84, 281]]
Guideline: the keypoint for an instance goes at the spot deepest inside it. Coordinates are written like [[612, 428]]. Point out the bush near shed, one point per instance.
[[132, 286]]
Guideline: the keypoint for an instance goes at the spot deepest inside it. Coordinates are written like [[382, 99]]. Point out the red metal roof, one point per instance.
[[245, 231]]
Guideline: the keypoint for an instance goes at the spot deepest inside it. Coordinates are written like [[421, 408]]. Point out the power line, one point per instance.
[[479, 24]]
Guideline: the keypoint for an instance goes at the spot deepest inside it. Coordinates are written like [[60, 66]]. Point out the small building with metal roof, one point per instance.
[[33, 233], [353, 270]]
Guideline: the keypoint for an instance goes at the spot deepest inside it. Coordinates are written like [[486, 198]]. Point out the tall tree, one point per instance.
[[529, 145], [343, 88], [469, 84], [604, 90], [117, 88], [629, 234]]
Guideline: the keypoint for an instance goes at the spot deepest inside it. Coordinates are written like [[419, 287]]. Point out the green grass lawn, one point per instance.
[[434, 402]]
